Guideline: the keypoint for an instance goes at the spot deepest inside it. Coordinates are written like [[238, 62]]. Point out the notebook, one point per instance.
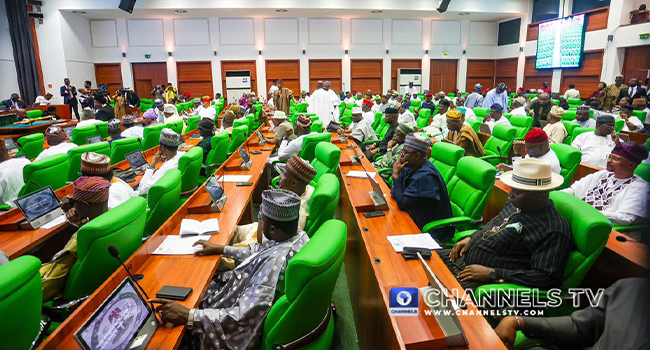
[[191, 227]]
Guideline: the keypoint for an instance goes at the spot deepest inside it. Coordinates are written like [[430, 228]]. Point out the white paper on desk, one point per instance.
[[420, 240], [360, 174], [178, 245], [55, 222], [234, 178]]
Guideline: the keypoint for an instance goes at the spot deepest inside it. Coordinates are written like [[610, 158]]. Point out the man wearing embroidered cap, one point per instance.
[[596, 145], [56, 139], [462, 135], [167, 154], [555, 130], [94, 164], [418, 187], [293, 147], [527, 243], [616, 191], [114, 130], [89, 200], [360, 130], [234, 307], [583, 117], [393, 151], [518, 106], [495, 117], [130, 129]]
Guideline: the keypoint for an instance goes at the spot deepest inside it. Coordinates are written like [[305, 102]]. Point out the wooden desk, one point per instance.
[[182, 270], [637, 137], [373, 267], [63, 111]]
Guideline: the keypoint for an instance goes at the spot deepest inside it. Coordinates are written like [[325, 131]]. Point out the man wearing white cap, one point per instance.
[[168, 154], [284, 129], [527, 243], [518, 106], [361, 129], [171, 114], [159, 108]]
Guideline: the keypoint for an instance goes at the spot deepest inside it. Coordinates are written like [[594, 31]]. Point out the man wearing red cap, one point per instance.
[[537, 146], [368, 114], [206, 111], [616, 191], [428, 103]]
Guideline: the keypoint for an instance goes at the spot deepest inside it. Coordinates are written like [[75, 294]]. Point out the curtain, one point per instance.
[[24, 56]]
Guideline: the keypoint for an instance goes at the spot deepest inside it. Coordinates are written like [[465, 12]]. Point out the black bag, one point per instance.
[[333, 126]]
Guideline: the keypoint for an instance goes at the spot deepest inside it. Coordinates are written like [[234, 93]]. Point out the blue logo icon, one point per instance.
[[403, 301]]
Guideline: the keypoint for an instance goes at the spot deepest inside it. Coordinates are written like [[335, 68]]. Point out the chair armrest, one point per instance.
[[493, 157], [618, 228], [369, 142], [66, 307], [458, 220], [43, 326], [275, 182], [384, 170], [5, 207], [310, 337]]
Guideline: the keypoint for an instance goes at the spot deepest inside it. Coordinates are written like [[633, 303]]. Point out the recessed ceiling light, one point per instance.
[[463, 14], [79, 12], [281, 10], [376, 11], [180, 11]]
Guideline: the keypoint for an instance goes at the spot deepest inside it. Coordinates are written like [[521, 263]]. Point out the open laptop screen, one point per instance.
[[214, 189], [136, 159], [38, 204]]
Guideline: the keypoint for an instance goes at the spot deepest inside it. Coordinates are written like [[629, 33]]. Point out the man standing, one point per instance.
[[86, 98], [462, 135], [597, 145], [282, 97], [540, 108], [11, 176], [582, 117], [168, 154], [612, 93], [572, 92], [475, 99], [633, 91], [497, 95], [273, 88], [418, 187], [335, 101], [69, 94], [393, 151], [555, 129], [410, 90], [321, 104]]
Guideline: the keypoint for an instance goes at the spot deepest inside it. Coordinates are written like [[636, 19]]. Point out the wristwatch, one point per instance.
[[190, 319]]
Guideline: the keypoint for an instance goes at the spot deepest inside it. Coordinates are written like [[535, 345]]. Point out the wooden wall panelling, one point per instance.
[[585, 78], [238, 65], [325, 70], [109, 73], [367, 74], [596, 20], [444, 75], [396, 64], [148, 75], [533, 78], [506, 72], [636, 63], [287, 70], [480, 71], [195, 78]]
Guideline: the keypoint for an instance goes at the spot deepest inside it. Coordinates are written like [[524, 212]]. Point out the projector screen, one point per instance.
[[560, 43]]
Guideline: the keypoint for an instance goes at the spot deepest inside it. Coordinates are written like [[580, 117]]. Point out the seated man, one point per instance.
[[462, 135], [206, 130], [158, 108], [595, 327], [583, 117], [43, 100], [194, 111], [382, 146], [290, 148], [405, 116], [517, 106], [368, 113], [233, 309], [418, 187], [228, 122], [632, 123], [282, 128], [495, 117], [438, 127], [597, 145], [11, 176], [104, 112], [56, 139], [527, 243], [616, 191], [207, 111], [95, 164], [88, 118], [168, 154], [468, 113], [393, 151], [130, 129], [555, 129], [114, 130], [89, 200], [361, 128], [171, 114], [537, 146], [427, 103]]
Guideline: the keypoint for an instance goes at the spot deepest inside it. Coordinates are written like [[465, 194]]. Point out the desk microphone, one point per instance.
[[115, 252]]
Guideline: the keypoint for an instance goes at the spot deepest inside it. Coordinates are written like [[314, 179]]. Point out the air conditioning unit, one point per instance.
[[238, 83]]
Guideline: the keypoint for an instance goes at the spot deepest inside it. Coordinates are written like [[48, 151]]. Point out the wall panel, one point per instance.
[[103, 33], [191, 31], [325, 31], [443, 75], [585, 78], [407, 31], [237, 31], [506, 72], [287, 70], [195, 78], [445, 32], [148, 75], [145, 32], [366, 31], [637, 63], [281, 31], [109, 73], [533, 78], [480, 71], [367, 74], [325, 70]]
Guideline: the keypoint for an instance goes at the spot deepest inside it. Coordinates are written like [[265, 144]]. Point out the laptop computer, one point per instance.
[[123, 321], [11, 145], [68, 130], [214, 188], [94, 139], [137, 162], [485, 129], [40, 207]]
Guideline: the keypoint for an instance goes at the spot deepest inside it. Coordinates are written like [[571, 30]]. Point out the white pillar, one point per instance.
[[346, 77], [170, 46], [387, 25], [303, 39], [461, 80]]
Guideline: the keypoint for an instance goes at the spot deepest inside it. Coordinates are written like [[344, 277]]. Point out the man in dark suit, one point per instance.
[[69, 94], [14, 102], [633, 90]]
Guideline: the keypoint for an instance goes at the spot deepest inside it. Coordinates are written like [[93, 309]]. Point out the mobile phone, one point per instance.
[[174, 293], [244, 184], [256, 152], [265, 149], [374, 214]]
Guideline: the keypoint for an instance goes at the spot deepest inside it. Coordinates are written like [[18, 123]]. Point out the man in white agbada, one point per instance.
[[438, 127], [56, 139], [232, 312], [322, 104], [406, 117], [597, 145], [616, 191], [361, 129], [11, 175], [95, 164], [168, 154]]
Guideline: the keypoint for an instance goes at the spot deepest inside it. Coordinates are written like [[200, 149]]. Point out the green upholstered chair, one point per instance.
[[468, 191], [475, 124], [480, 111], [326, 160], [378, 118], [416, 104], [309, 283], [302, 107], [35, 113], [580, 130], [123, 227], [218, 153], [322, 204], [177, 126], [120, 148], [49, 171], [499, 144], [151, 136], [81, 134], [351, 105], [163, 198], [523, 124], [309, 143], [590, 230], [574, 102], [424, 118], [445, 157], [31, 145], [238, 137], [639, 114], [21, 295], [569, 158], [379, 125], [192, 123], [74, 157], [241, 122], [618, 125], [190, 166], [569, 115], [643, 171], [569, 126], [317, 126], [413, 109], [102, 129]]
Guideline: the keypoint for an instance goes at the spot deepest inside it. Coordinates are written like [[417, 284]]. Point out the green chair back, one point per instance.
[[74, 157], [470, 187], [569, 158], [238, 137], [218, 152], [475, 124], [424, 118], [317, 126], [80, 134], [102, 128], [351, 105], [480, 111], [122, 226], [580, 130], [326, 160], [177, 126], [416, 104], [163, 199], [239, 123], [380, 122], [190, 166], [31, 145], [35, 113], [49, 171], [569, 115], [643, 171], [618, 125], [522, 123], [192, 123], [322, 204], [302, 107], [569, 126], [413, 109], [639, 114], [574, 102], [309, 143], [21, 296], [309, 284], [151, 136], [445, 157], [120, 148], [502, 138]]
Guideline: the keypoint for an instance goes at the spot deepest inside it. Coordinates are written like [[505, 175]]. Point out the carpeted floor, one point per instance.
[[345, 333]]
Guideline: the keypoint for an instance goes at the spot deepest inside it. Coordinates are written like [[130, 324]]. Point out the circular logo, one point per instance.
[[403, 298]]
